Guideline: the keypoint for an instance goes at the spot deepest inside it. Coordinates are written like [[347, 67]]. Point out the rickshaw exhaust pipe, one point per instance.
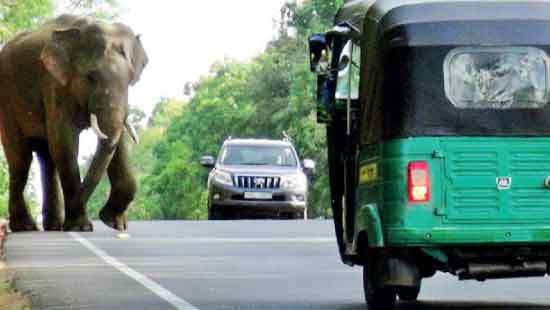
[[483, 272]]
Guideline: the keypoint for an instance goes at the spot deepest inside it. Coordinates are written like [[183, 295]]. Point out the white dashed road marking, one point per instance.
[[153, 286]]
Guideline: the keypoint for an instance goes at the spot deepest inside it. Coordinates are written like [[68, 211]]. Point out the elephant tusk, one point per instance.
[[131, 131], [95, 127]]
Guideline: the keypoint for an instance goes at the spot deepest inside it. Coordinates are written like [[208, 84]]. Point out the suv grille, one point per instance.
[[242, 181]]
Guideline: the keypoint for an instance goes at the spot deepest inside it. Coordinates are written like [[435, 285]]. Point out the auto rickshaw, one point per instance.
[[438, 129]]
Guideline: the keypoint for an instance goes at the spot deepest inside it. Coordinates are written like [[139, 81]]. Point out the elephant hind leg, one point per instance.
[[123, 189], [19, 158], [53, 212]]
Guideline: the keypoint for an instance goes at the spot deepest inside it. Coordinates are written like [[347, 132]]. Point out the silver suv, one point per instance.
[[254, 178]]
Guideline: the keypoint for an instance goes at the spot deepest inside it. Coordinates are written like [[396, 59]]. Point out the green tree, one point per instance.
[[272, 93], [21, 15], [221, 107]]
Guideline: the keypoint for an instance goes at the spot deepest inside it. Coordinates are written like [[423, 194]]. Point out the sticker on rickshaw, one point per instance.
[[368, 173], [504, 183]]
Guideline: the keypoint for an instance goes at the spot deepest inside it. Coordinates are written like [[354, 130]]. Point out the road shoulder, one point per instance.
[[10, 299]]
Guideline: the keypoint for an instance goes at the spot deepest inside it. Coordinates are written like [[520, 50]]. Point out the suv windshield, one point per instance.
[[258, 155]]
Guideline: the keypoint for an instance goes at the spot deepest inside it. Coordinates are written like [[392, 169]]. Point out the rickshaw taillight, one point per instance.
[[418, 187]]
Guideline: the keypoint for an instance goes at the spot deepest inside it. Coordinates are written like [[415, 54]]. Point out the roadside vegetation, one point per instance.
[[271, 93], [9, 298]]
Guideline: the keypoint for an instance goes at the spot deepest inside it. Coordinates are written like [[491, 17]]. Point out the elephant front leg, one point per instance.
[[52, 204], [63, 146], [123, 189], [76, 217]]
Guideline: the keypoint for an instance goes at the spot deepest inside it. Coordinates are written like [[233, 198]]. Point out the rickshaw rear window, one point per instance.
[[497, 78]]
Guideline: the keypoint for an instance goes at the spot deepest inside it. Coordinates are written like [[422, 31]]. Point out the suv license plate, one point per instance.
[[258, 195]]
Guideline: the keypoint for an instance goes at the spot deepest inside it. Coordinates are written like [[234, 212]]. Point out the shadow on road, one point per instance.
[[421, 305], [284, 306], [470, 305]]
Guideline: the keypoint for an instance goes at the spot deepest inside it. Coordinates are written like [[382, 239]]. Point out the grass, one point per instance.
[[9, 298]]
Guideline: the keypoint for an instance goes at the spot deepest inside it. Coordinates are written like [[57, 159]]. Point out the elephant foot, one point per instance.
[[22, 224], [80, 223], [52, 225], [118, 221]]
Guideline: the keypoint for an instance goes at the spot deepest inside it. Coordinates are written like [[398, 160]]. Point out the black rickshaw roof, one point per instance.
[[413, 39], [392, 13]]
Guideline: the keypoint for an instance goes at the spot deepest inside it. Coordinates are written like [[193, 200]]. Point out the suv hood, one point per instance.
[[256, 170]]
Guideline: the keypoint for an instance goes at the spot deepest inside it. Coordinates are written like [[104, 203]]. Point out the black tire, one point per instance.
[[287, 216], [408, 293], [292, 216], [377, 298]]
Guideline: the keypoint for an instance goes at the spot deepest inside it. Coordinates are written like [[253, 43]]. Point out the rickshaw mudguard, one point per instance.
[[396, 271], [369, 221]]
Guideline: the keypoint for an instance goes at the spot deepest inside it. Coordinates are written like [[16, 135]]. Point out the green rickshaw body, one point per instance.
[[438, 131], [408, 112], [466, 207]]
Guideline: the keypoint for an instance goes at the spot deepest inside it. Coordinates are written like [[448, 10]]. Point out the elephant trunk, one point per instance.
[[102, 158], [104, 154], [107, 120]]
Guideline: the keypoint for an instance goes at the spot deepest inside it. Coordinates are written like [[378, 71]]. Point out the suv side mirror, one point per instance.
[[207, 161], [309, 165]]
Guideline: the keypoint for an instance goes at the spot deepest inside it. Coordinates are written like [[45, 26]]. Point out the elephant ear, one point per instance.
[[55, 55], [138, 60]]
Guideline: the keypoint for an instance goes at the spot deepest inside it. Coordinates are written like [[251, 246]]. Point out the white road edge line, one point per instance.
[[153, 286]]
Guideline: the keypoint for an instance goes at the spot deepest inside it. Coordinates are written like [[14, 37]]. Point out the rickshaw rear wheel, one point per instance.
[[377, 298], [408, 293]]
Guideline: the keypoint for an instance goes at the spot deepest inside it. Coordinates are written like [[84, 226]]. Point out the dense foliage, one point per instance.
[[21, 15], [262, 98]]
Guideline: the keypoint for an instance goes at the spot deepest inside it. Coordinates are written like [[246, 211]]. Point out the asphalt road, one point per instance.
[[224, 265]]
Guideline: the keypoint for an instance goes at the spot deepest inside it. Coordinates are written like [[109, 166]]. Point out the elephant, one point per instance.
[[70, 74]]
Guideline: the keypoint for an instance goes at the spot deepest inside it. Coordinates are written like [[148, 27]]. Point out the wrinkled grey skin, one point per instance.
[[52, 81]]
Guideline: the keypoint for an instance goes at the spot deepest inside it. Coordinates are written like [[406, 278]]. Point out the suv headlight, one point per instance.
[[297, 182], [223, 177]]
